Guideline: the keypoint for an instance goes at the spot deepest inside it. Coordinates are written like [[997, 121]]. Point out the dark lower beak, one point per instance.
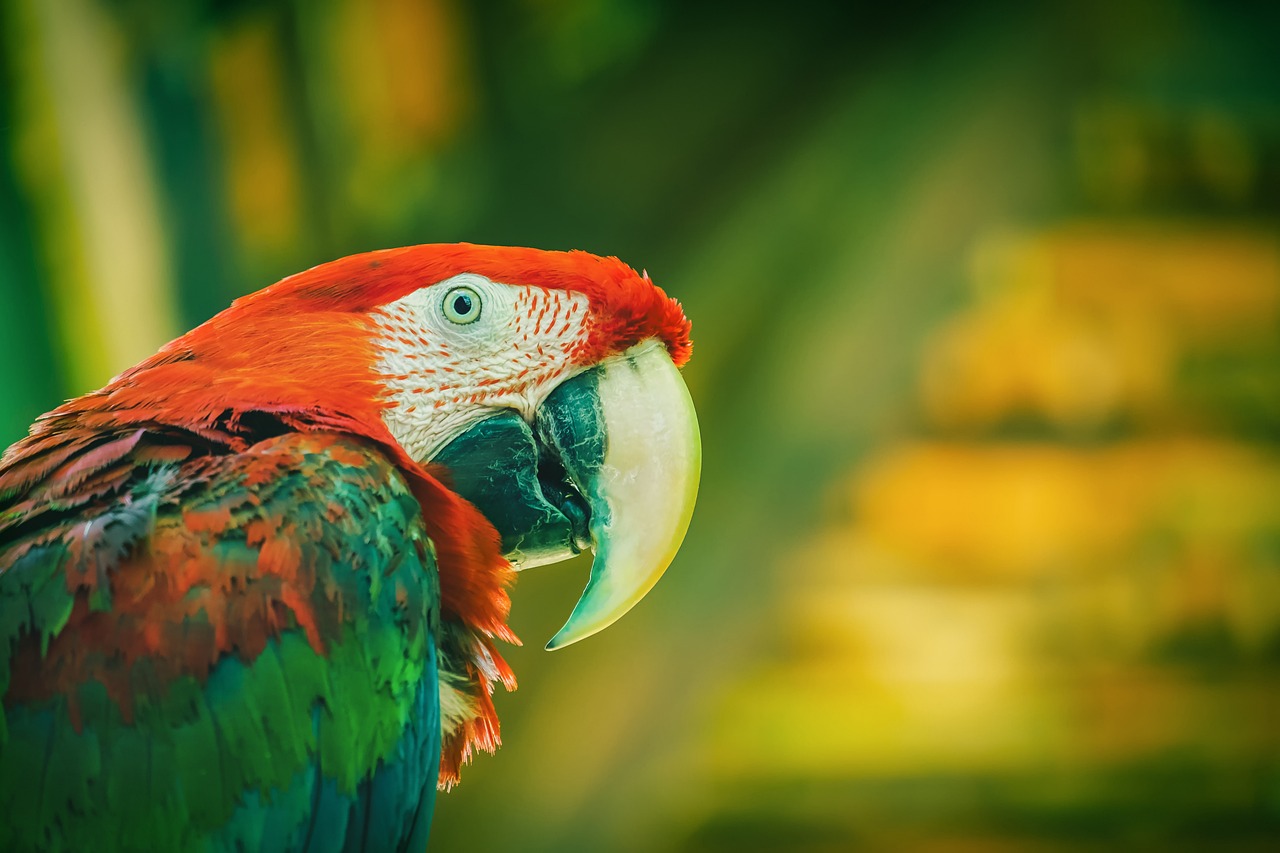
[[521, 489]]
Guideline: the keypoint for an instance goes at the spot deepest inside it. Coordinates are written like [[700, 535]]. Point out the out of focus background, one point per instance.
[[986, 302]]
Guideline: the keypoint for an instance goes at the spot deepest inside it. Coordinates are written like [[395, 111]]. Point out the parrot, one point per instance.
[[252, 590]]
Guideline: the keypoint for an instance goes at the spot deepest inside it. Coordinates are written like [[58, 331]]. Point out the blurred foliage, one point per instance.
[[987, 308]]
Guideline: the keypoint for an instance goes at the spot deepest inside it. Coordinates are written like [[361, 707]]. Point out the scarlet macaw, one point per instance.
[[249, 590]]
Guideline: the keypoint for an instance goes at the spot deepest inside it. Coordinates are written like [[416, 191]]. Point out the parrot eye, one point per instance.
[[462, 306]]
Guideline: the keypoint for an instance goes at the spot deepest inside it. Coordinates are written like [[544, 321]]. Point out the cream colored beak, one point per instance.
[[627, 435]]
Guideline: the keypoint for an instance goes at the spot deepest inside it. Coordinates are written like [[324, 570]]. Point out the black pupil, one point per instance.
[[462, 304]]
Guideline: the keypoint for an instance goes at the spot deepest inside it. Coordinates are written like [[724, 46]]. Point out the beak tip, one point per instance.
[[584, 621], [566, 636]]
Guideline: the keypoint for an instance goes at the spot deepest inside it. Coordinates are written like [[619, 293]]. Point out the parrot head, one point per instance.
[[531, 399]]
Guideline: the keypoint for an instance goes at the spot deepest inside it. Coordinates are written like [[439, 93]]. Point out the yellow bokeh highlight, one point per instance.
[[1000, 595], [247, 81]]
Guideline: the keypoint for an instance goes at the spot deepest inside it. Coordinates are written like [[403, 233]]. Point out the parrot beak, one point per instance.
[[627, 435], [611, 463]]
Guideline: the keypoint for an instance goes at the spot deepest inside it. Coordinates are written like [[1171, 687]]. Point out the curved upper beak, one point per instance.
[[612, 462], [627, 435]]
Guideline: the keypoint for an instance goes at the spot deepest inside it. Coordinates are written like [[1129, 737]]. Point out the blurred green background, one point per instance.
[[986, 302]]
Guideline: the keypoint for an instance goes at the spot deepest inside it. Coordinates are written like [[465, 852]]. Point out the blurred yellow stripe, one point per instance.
[[83, 157], [248, 86]]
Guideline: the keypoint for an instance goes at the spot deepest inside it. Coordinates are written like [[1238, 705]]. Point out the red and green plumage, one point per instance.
[[229, 597], [268, 604]]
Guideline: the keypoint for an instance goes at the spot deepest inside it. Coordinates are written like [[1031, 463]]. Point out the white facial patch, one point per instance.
[[456, 352]]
